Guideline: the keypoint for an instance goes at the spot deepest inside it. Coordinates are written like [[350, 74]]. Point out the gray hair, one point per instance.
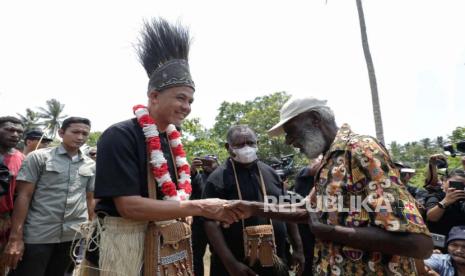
[[238, 128]]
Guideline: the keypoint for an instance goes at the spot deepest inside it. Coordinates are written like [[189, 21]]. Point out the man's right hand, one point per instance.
[[214, 208], [196, 165], [239, 269], [13, 252]]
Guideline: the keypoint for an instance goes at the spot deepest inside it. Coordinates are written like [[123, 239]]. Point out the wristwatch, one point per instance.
[[441, 205]]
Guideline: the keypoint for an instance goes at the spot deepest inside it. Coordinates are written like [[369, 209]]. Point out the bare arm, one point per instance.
[[435, 213], [298, 257], [15, 246], [90, 205], [140, 208], [364, 238], [452, 196]]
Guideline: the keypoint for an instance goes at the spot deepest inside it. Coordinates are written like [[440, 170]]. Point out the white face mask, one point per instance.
[[245, 155]]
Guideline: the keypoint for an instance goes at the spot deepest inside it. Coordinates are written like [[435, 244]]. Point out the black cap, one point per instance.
[[35, 134], [456, 233]]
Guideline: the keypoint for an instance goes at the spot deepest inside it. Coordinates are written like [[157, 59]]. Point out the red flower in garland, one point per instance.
[[158, 162]]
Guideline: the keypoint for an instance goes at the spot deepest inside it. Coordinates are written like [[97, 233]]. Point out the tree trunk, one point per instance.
[[371, 74]]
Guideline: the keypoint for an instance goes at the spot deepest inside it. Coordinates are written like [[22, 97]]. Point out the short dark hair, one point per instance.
[[10, 119], [456, 172], [236, 128], [74, 120]]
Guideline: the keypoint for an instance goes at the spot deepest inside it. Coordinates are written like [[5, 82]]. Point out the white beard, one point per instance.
[[313, 143]]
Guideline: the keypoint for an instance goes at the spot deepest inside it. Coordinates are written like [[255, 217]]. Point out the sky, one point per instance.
[[83, 54]]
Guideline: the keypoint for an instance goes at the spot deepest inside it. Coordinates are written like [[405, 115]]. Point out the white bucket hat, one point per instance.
[[292, 108]]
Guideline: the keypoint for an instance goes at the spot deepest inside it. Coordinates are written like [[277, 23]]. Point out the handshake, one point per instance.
[[226, 211]]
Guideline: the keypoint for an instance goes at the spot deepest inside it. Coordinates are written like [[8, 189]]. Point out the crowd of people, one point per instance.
[[134, 205]]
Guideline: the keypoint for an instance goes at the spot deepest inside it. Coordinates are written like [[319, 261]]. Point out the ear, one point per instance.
[[61, 132], [226, 146], [153, 97], [315, 118]]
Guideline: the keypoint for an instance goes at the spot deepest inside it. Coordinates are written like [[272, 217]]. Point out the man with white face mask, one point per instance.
[[243, 176]]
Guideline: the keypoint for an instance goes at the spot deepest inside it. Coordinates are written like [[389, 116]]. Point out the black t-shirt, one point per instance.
[[122, 164], [453, 216], [303, 185], [222, 184], [198, 184]]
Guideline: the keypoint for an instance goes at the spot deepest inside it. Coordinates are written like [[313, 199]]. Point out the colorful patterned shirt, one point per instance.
[[358, 186]]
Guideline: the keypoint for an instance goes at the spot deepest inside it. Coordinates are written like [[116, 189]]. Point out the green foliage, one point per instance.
[[260, 114], [52, 115], [457, 135], [48, 118], [417, 153], [30, 119], [93, 138], [199, 141]]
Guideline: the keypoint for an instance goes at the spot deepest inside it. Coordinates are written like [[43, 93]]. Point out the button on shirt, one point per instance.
[[59, 201]]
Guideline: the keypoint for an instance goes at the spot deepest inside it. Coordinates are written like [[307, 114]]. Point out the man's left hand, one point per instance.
[[243, 209]]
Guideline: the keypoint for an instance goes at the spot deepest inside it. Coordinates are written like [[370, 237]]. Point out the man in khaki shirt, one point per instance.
[[55, 188]]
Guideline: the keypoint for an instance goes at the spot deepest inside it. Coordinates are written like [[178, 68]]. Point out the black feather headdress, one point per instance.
[[163, 51]]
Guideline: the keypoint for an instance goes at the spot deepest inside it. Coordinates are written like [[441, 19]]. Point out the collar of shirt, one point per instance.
[[62, 150], [343, 136]]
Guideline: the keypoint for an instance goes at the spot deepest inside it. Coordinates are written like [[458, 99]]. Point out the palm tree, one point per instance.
[[30, 119], [371, 74], [52, 116]]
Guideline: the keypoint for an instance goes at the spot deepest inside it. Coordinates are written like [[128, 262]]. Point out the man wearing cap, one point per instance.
[[452, 263], [383, 233], [35, 139], [418, 193]]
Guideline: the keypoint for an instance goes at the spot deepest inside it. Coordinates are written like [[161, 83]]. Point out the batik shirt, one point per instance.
[[358, 169]]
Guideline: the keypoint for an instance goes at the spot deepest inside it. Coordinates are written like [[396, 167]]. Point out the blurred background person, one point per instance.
[[451, 263], [446, 208], [420, 194], [11, 131], [304, 183], [35, 139], [201, 168], [92, 153]]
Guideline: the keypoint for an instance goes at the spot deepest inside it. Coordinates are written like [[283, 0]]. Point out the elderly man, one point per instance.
[[243, 176], [379, 237]]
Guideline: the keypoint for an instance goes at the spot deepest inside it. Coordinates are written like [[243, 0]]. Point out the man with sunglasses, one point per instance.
[[92, 153]]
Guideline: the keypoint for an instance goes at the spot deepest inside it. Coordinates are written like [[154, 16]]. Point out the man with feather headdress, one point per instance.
[[143, 178]]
